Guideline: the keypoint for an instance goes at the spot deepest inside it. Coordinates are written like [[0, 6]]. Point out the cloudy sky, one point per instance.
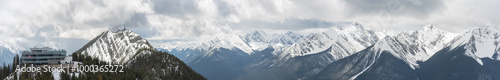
[[77, 21]]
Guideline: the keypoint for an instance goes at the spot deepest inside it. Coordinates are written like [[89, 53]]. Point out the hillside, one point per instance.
[[140, 59]]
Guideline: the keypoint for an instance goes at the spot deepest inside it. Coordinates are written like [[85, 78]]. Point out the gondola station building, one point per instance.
[[43, 56]]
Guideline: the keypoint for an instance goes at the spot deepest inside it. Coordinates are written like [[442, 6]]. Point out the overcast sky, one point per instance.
[[77, 21]]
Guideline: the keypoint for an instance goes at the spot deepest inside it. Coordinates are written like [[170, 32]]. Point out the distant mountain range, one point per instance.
[[351, 52], [10, 47]]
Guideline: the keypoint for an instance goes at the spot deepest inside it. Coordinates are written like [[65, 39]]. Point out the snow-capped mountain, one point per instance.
[[366, 64], [481, 42], [384, 33], [230, 50], [286, 49], [344, 42], [249, 43], [403, 50], [472, 55], [122, 46], [259, 40], [350, 52], [254, 41], [115, 46], [10, 47], [413, 46], [312, 54]]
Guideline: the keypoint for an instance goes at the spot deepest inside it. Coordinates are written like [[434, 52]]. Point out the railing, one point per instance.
[[39, 57]]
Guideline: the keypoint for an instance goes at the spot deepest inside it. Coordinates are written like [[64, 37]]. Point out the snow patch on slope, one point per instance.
[[413, 46], [480, 42], [254, 41], [343, 41], [385, 33]]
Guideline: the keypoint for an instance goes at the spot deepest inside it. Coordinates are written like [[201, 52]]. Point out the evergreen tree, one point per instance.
[[26, 76], [4, 72], [141, 67], [64, 76], [15, 76], [1, 73], [99, 77], [74, 77]]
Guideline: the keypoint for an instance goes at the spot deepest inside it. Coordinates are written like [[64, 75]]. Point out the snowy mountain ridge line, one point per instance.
[[415, 45], [343, 41], [355, 36], [480, 42], [409, 47], [254, 41]]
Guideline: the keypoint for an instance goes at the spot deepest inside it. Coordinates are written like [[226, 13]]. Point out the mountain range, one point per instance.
[[350, 52]]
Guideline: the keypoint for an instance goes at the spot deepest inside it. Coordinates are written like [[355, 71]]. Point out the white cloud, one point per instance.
[[168, 28], [20, 31], [460, 15], [70, 15], [170, 20], [88, 33], [394, 8]]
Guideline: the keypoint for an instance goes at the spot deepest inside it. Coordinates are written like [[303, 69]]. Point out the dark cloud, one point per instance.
[[137, 20], [181, 19], [224, 8], [97, 13], [412, 8], [287, 24], [175, 8]]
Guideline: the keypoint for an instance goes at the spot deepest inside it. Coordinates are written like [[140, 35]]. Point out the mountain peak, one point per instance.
[[290, 33], [384, 33], [357, 25], [429, 27], [116, 29], [492, 28], [481, 42], [115, 46], [257, 33]]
